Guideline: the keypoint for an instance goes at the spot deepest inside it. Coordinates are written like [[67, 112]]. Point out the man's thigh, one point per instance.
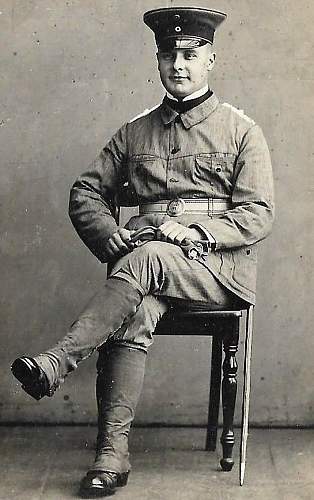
[[162, 269]]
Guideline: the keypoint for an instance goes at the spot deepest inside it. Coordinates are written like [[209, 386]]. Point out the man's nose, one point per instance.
[[178, 62]]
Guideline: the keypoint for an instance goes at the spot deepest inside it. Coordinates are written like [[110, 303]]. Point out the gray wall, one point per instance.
[[71, 73]]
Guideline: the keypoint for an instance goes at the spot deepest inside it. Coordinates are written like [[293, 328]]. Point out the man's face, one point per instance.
[[184, 71]]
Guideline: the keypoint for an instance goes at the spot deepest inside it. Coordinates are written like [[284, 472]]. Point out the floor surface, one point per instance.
[[47, 463]]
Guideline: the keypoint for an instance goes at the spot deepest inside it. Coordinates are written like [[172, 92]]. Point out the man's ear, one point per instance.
[[211, 61]]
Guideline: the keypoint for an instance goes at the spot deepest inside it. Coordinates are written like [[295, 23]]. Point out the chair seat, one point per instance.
[[197, 320]]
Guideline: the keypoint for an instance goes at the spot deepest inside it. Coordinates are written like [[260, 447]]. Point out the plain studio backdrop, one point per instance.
[[71, 73]]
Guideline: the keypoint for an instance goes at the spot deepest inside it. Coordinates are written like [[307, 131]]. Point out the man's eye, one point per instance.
[[190, 55]]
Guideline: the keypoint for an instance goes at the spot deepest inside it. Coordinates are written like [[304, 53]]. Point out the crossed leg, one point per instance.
[[155, 269]]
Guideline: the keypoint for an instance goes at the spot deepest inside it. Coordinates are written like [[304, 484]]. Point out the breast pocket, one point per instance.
[[216, 173], [146, 175]]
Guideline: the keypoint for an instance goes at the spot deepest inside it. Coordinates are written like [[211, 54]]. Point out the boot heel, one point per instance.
[[123, 479]]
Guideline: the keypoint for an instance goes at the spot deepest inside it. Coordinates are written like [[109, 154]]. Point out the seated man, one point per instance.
[[199, 170]]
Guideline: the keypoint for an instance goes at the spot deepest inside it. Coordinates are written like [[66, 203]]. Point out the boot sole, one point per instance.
[[28, 378], [94, 491]]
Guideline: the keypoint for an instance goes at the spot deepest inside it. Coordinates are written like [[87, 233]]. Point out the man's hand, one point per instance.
[[119, 243], [173, 232]]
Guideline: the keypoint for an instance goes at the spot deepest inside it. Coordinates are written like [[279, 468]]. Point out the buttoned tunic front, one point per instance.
[[210, 151]]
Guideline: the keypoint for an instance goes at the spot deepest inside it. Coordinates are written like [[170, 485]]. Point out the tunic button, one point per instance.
[[218, 169], [175, 150]]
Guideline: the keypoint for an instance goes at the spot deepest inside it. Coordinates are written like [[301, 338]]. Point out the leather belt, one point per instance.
[[179, 206]]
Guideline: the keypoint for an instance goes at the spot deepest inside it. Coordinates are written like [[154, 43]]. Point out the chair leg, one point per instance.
[[214, 394], [229, 392]]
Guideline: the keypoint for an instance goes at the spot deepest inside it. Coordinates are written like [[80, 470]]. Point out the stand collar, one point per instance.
[[191, 117], [195, 95]]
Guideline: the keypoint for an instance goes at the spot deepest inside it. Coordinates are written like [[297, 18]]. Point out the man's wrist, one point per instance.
[[205, 234]]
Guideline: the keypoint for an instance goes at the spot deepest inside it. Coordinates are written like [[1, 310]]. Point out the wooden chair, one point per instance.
[[224, 328]]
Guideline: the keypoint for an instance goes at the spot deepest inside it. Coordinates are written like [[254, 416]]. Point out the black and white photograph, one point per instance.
[[156, 242]]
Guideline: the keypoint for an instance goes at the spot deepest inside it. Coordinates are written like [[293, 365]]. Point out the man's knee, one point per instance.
[[145, 265], [152, 251]]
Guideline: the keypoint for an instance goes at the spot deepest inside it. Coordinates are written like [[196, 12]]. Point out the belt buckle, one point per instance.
[[176, 207]]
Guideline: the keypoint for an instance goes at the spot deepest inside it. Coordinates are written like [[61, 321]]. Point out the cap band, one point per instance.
[[172, 43]]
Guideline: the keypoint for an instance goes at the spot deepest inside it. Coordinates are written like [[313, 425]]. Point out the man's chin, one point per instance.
[[179, 92]]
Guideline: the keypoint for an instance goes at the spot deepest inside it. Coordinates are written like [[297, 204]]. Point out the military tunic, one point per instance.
[[210, 151]]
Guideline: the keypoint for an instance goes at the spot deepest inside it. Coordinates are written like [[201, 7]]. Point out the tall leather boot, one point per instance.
[[111, 308], [118, 387]]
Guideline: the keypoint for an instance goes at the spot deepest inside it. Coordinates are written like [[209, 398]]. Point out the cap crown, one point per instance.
[[192, 23]]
